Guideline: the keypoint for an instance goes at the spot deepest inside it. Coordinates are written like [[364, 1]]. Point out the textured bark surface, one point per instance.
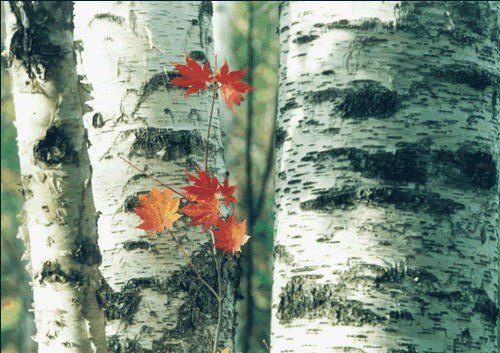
[[154, 302], [59, 216], [387, 178]]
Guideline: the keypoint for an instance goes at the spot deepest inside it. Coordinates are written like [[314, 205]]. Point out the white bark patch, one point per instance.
[[387, 178], [126, 56]]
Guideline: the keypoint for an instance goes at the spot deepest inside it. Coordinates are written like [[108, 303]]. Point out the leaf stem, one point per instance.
[[219, 296], [219, 322], [215, 87], [153, 178], [192, 266]]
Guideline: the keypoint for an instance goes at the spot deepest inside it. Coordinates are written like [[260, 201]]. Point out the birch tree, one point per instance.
[[154, 301], [387, 177], [59, 216]]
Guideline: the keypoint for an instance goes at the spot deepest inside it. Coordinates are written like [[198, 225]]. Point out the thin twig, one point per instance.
[[153, 178], [215, 86], [192, 266], [220, 298]]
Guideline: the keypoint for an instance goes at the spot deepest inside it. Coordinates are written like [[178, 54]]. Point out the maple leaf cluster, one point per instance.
[[197, 78], [159, 210]]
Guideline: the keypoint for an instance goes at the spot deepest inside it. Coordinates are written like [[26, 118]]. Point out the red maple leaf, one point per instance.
[[194, 76], [204, 212], [204, 188], [227, 192], [231, 85], [158, 211], [231, 235]]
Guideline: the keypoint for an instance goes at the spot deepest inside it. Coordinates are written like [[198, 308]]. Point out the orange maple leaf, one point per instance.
[[158, 211], [227, 192], [193, 76], [204, 188], [231, 85], [231, 235], [204, 212]]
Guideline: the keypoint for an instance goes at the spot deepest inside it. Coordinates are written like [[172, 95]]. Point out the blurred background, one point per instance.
[[245, 34]]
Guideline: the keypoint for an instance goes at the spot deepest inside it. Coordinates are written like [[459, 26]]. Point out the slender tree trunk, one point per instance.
[[155, 303], [223, 36], [387, 178], [60, 219]]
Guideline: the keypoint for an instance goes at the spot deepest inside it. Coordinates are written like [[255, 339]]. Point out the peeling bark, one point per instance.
[[153, 302], [387, 178], [59, 216]]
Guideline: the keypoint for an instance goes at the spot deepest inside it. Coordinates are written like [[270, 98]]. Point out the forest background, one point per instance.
[[231, 20]]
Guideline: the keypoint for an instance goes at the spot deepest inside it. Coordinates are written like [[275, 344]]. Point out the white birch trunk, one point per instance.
[[387, 178], [60, 220], [155, 303]]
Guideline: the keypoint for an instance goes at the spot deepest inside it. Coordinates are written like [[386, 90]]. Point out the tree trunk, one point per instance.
[[155, 303], [224, 13], [387, 178], [60, 219]]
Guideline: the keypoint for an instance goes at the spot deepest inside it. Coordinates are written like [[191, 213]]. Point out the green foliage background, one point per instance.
[[17, 322]]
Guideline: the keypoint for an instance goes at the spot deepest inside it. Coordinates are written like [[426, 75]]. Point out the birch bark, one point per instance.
[[387, 177], [155, 303], [59, 220]]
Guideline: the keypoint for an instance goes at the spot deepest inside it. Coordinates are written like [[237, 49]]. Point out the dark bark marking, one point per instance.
[[284, 28], [486, 307], [312, 122], [408, 17], [463, 168], [280, 137], [407, 164], [97, 120], [467, 167], [469, 74], [55, 148], [198, 55], [400, 315], [52, 273], [494, 100], [360, 100], [132, 201], [303, 298], [368, 98], [154, 84], [406, 200], [86, 251], [281, 253], [207, 8], [409, 348], [475, 16], [200, 306], [291, 104], [327, 95], [26, 192], [174, 143], [328, 72], [123, 305], [398, 273], [117, 345], [480, 169], [366, 24], [31, 43], [305, 39], [140, 244], [108, 17]]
